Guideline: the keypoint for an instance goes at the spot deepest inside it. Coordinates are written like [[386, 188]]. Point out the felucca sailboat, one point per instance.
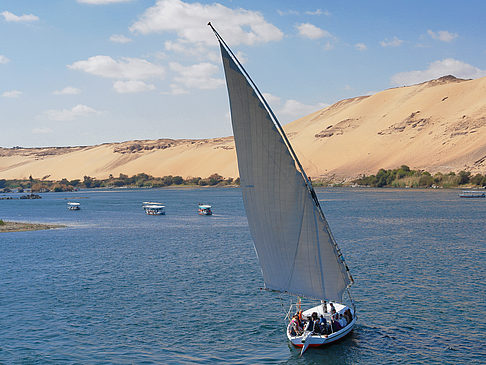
[[295, 247]]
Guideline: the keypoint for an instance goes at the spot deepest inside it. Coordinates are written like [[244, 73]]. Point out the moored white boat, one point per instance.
[[472, 194], [153, 208], [73, 206], [297, 252]]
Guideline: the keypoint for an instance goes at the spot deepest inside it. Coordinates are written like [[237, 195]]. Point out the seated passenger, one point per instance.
[[336, 326], [310, 325], [295, 327], [324, 326], [315, 320], [348, 315], [342, 321], [298, 315]]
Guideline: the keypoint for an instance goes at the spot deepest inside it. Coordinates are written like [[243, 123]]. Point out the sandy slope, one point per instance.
[[439, 125]]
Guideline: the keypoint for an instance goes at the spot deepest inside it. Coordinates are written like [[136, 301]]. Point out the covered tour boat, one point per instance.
[[153, 208], [204, 209], [297, 252], [73, 206]]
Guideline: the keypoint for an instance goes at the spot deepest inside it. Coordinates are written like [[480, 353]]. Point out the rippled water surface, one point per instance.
[[117, 286]]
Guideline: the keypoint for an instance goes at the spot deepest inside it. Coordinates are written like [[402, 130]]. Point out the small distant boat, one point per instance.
[[153, 208], [73, 206], [472, 194], [204, 209]]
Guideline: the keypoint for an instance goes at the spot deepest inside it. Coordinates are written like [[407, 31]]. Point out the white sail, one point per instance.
[[295, 248]]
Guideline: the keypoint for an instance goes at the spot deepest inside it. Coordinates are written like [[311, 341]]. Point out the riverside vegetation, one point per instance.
[[139, 181], [402, 177]]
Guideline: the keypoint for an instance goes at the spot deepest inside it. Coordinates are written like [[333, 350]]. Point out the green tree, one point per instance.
[[464, 177], [215, 179], [88, 181], [426, 180], [477, 179]]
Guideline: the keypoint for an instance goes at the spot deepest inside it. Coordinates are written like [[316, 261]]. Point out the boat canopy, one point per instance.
[[73, 203], [293, 242], [205, 207]]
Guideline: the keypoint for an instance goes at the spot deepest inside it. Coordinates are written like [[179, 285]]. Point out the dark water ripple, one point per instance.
[[117, 286]]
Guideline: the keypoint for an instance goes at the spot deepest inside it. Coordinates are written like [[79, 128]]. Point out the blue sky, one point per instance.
[[83, 72]]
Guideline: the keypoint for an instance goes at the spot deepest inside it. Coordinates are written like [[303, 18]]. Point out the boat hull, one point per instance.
[[315, 340], [322, 340], [154, 213]]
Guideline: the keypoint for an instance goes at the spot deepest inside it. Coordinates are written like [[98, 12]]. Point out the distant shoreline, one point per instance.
[[24, 226]]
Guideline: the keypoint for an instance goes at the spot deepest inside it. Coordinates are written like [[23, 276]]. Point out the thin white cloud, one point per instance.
[[287, 12], [291, 109], [11, 94], [328, 46], [3, 59], [395, 42], [442, 35], [436, 69], [272, 100], [68, 90], [120, 38], [41, 130], [198, 76], [132, 86], [160, 55], [75, 112], [24, 18], [241, 57], [177, 90], [188, 21], [198, 50], [309, 30], [360, 46], [102, 2], [126, 68], [296, 109], [318, 12]]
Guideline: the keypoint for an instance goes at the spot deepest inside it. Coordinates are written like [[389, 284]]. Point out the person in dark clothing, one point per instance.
[[324, 326], [335, 325], [310, 325]]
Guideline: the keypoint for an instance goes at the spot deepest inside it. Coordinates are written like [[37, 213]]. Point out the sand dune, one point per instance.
[[438, 125]]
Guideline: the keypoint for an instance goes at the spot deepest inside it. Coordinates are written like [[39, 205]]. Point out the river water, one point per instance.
[[118, 286]]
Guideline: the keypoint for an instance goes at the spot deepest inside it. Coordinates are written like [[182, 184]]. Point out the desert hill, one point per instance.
[[439, 125]]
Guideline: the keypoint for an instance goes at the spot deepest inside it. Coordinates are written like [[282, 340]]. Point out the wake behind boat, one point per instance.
[[297, 252]]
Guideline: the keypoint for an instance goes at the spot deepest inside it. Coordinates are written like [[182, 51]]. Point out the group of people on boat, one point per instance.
[[320, 325]]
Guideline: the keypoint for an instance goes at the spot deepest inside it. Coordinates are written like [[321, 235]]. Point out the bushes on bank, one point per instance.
[[139, 180], [405, 177]]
